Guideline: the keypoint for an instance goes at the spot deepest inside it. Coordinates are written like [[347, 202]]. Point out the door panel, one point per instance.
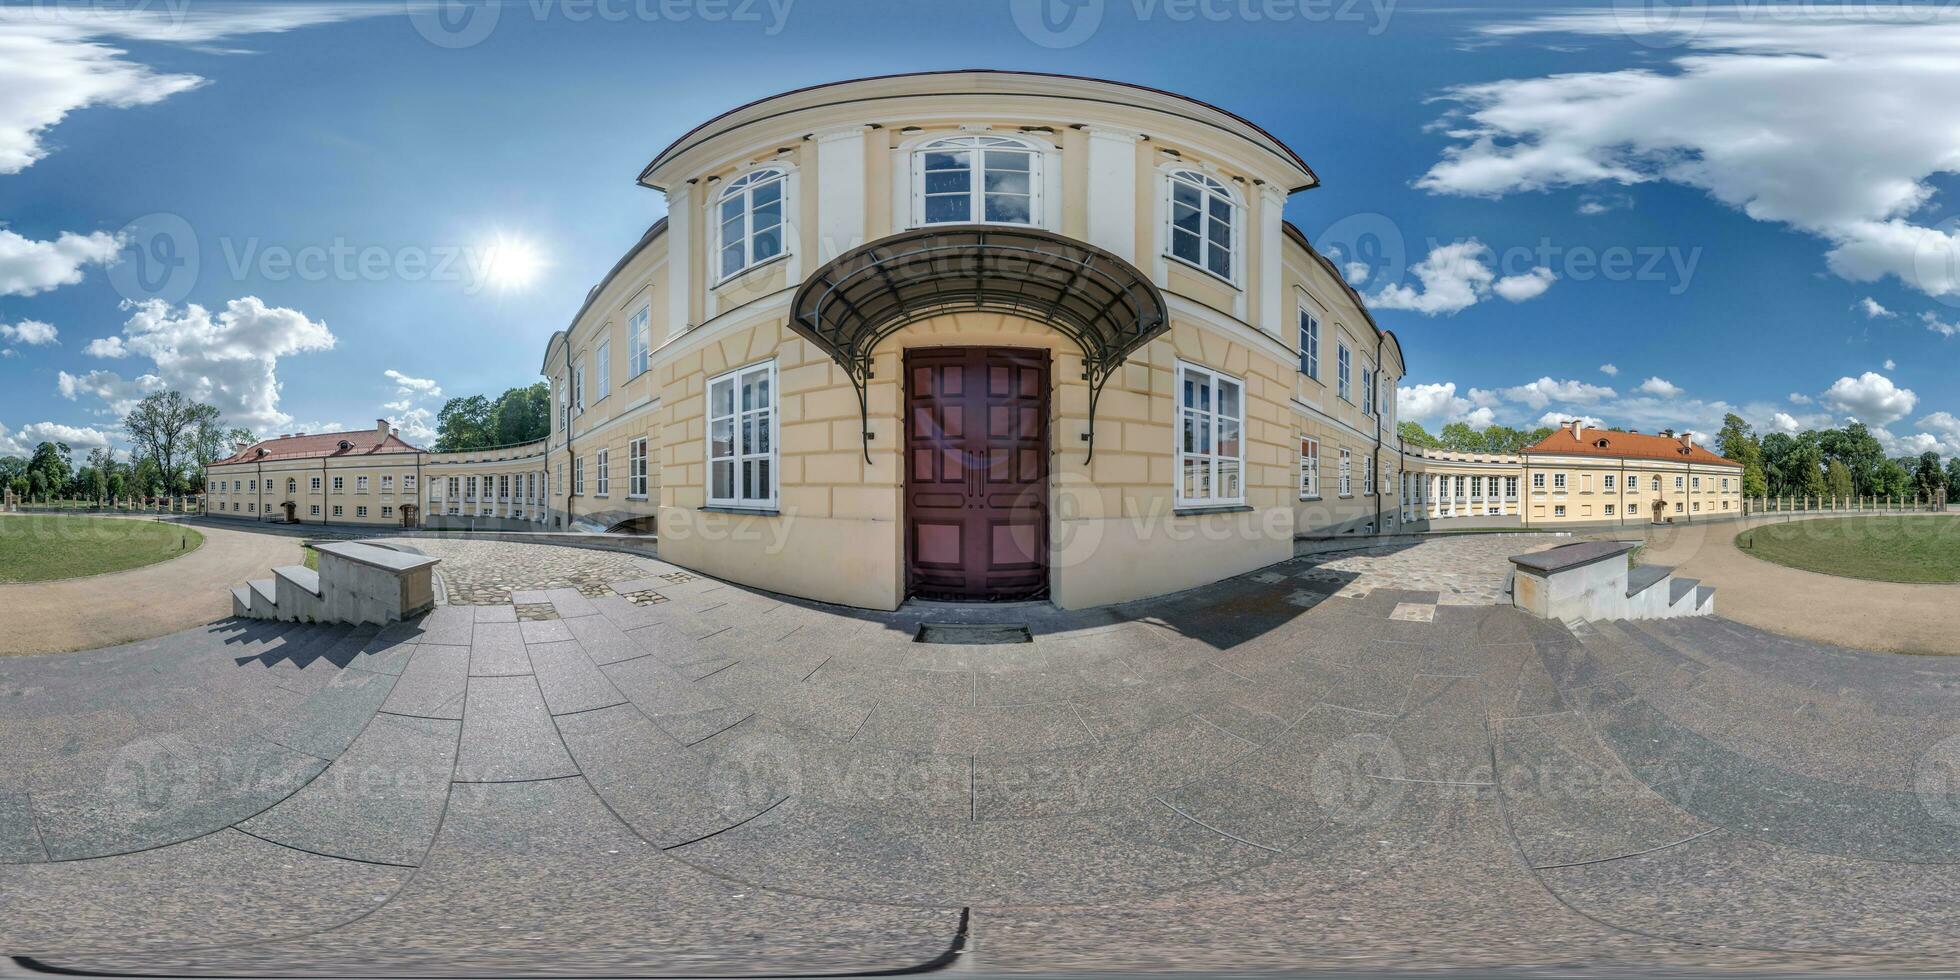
[[976, 488]]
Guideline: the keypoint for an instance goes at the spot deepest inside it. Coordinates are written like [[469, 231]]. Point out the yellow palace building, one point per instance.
[[958, 335]]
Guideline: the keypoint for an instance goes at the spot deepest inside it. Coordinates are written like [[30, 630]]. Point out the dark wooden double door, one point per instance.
[[976, 480]]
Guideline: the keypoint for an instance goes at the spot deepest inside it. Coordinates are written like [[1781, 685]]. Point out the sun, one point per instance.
[[511, 263]]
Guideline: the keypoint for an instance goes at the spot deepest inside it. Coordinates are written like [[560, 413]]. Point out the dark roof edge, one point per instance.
[[1293, 231], [653, 231]]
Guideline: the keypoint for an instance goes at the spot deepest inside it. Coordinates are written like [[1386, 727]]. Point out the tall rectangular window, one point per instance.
[[578, 476], [1342, 366], [604, 475], [1511, 488], [408, 483], [360, 484], [469, 484], [1347, 473], [1368, 476], [1367, 391], [637, 342], [578, 390], [1309, 345], [1309, 469], [742, 437], [604, 368], [1211, 451], [636, 468]]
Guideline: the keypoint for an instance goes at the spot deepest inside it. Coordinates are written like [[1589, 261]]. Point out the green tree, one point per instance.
[[1859, 450], [1737, 441], [464, 423], [1893, 479], [1953, 479], [1928, 479], [164, 426], [1413, 434], [522, 415], [1807, 470], [1837, 479], [50, 463]]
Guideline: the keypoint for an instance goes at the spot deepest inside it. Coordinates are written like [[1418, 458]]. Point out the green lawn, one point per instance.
[[1882, 549], [37, 547]]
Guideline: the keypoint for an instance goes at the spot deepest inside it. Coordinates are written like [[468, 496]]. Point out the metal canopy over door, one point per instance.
[[976, 479]]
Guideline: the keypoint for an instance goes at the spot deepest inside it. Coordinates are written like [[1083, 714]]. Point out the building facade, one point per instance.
[[973, 335], [960, 335], [366, 477]]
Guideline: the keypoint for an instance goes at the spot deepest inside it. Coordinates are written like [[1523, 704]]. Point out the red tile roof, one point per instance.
[[361, 442], [1623, 445]]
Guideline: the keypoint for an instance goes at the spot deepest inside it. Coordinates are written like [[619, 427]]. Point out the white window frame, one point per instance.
[[1537, 481], [603, 365], [1558, 481], [1607, 483], [578, 388], [744, 188], [1368, 475], [339, 510], [1367, 390], [639, 341], [636, 469], [1309, 344], [1347, 473], [739, 453], [1309, 468], [1208, 188], [408, 483], [1214, 421], [603, 485], [339, 484], [977, 146], [1344, 368], [360, 510], [360, 484], [578, 476]]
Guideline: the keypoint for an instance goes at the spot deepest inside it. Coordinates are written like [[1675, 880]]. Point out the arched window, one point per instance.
[[979, 180], [751, 208], [1204, 218], [292, 485]]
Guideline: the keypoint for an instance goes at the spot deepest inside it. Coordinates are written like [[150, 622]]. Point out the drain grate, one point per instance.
[[963, 633]]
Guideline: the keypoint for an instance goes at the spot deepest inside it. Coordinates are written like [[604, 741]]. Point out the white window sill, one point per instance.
[[751, 267], [636, 496], [1187, 263]]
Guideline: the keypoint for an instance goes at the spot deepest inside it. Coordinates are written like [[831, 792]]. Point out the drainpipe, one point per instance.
[[571, 480], [1376, 397], [326, 493]]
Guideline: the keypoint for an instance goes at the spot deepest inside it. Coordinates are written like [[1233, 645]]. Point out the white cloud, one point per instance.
[[1357, 271], [39, 432], [1524, 285], [106, 347], [1890, 365], [30, 332], [1439, 404], [1913, 444], [1938, 326], [229, 360], [1609, 370], [1592, 204], [1455, 277], [1556, 419], [53, 60], [1545, 391], [119, 395], [1661, 387], [1872, 397], [405, 385], [1785, 423], [28, 267], [416, 425], [1947, 430], [1799, 398], [1792, 119], [1873, 309]]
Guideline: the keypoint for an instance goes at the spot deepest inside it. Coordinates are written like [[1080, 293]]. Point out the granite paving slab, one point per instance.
[[378, 802]]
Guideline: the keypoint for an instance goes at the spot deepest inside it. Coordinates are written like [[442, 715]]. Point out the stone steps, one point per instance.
[[356, 583], [1593, 581]]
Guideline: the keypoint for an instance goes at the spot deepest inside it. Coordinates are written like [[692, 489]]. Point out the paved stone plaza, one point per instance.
[[1467, 570], [1265, 774]]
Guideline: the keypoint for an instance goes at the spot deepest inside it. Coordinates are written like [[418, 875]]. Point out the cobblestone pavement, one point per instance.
[[1471, 570], [1263, 774], [486, 573]]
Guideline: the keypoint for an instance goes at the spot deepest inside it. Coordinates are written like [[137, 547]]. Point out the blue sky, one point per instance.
[[1739, 209]]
